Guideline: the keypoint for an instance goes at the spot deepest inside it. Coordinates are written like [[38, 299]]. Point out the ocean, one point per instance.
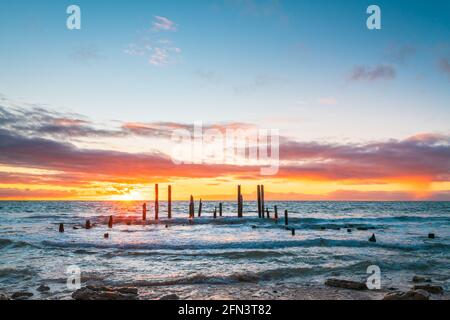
[[223, 251]]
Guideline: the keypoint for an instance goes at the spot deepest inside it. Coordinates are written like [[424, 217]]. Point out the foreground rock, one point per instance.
[[418, 279], [21, 295], [43, 288], [105, 293], [3, 296], [409, 295], [429, 288], [172, 296], [346, 284]]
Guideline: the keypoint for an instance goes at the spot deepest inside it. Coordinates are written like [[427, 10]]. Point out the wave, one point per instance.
[[13, 244], [318, 242]]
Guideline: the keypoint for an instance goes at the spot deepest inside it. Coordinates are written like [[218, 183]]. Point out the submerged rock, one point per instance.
[[420, 279], [172, 296], [346, 284], [373, 238], [21, 295], [409, 295], [105, 293], [431, 236], [4, 296], [429, 288], [43, 288]]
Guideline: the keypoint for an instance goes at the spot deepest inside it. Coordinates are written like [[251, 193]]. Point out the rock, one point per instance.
[[172, 296], [61, 227], [349, 230], [43, 288], [21, 295], [105, 293], [346, 284], [431, 236], [420, 279], [3, 296], [372, 238], [88, 224], [429, 288], [110, 222], [106, 235], [409, 295]]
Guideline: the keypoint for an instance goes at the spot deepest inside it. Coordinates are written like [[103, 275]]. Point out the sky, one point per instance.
[[88, 114]]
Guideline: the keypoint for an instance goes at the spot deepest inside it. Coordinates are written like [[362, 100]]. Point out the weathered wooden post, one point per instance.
[[169, 203], [262, 200], [242, 206], [259, 200], [191, 208], [144, 212], [286, 219], [110, 222], [88, 224], [275, 208], [215, 213], [293, 231], [239, 201], [267, 213], [61, 227], [200, 208], [220, 209], [156, 202]]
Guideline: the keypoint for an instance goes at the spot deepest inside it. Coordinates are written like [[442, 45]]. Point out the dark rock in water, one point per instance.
[[106, 235], [43, 288], [128, 223], [349, 230], [21, 295], [3, 296], [323, 228], [167, 226], [373, 238], [88, 224], [110, 222], [105, 293], [293, 231], [431, 236], [409, 295], [75, 228], [61, 227], [172, 296], [346, 284], [420, 279], [429, 288]]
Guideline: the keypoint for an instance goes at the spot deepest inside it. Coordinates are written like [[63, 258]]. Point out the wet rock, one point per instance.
[[431, 236], [172, 296], [346, 284], [43, 288], [106, 235], [88, 224], [349, 230], [409, 295], [105, 293], [21, 295], [418, 279], [373, 238], [4, 296], [429, 288], [61, 227]]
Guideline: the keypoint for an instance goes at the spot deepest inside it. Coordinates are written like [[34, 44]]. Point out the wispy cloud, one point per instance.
[[378, 72], [400, 53], [444, 66], [163, 24]]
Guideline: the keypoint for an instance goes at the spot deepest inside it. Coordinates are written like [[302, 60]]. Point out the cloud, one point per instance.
[[87, 54], [163, 24], [259, 82], [444, 66], [379, 72], [400, 53], [327, 101]]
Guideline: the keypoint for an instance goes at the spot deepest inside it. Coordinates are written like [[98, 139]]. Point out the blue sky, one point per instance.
[[279, 64]]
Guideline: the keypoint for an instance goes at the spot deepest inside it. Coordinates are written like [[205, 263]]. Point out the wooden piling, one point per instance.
[[215, 213], [156, 202], [169, 203], [88, 224], [110, 222], [293, 231], [241, 206], [267, 213], [275, 208], [259, 200], [220, 209], [262, 200], [286, 219], [239, 201], [200, 208], [144, 212], [191, 208], [61, 227]]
